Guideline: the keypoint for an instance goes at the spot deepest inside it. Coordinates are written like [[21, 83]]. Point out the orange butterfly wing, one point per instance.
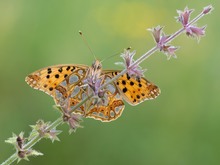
[[135, 90], [105, 109], [47, 79]]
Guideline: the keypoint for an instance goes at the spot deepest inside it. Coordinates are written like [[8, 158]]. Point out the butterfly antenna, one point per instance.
[[86, 43], [115, 54]]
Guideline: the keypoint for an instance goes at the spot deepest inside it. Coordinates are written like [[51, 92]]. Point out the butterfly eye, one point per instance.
[[99, 66], [93, 64]]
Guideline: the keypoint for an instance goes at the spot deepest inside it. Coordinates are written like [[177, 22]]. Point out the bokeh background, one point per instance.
[[181, 126]]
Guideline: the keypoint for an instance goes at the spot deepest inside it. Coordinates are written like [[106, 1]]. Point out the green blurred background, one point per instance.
[[181, 126]]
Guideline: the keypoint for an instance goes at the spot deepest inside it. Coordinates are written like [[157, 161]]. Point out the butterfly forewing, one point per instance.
[[47, 79], [135, 90]]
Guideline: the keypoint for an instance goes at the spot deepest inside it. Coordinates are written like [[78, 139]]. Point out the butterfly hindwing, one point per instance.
[[107, 113], [106, 109]]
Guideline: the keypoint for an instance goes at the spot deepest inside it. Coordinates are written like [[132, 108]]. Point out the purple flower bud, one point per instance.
[[198, 31], [161, 41], [184, 16], [74, 121], [156, 32], [207, 9], [194, 31], [94, 79], [95, 84], [170, 51]]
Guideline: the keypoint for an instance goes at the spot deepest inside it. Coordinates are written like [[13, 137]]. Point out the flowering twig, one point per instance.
[[48, 130], [33, 141]]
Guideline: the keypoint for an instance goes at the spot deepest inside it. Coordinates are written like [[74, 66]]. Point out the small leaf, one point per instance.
[[35, 153], [57, 107], [14, 139], [11, 140]]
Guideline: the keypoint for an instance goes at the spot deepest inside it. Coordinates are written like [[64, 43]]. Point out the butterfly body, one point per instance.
[[75, 82]]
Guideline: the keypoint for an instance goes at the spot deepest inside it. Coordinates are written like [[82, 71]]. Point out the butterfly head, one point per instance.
[[96, 68], [96, 65]]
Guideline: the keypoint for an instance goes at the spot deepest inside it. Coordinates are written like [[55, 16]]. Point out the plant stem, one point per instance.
[[80, 103], [11, 159]]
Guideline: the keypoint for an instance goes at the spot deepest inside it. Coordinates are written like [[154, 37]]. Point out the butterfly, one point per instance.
[[70, 82]]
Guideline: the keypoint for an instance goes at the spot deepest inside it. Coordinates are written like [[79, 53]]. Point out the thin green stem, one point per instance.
[[11, 159]]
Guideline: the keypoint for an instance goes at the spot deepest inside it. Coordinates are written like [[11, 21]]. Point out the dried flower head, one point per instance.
[[191, 29], [73, 120], [24, 154], [161, 40], [41, 129], [184, 16], [132, 69], [17, 140], [94, 79]]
